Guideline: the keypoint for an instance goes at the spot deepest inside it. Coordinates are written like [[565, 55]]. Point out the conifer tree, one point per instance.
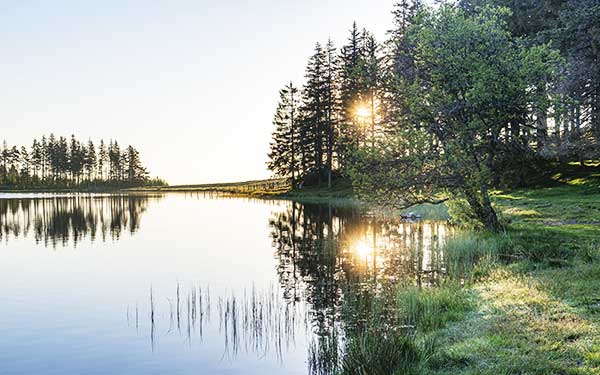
[[350, 81], [102, 159], [314, 96], [283, 158], [331, 105], [90, 160], [25, 161], [36, 158]]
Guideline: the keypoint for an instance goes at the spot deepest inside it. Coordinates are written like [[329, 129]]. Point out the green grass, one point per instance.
[[520, 327], [375, 353], [526, 301], [536, 287], [430, 309]]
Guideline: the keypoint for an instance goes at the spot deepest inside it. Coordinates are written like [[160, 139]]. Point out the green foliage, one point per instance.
[[55, 163], [469, 76], [284, 155], [464, 98]]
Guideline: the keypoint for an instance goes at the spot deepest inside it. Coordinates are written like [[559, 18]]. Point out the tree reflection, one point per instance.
[[339, 259], [323, 249], [65, 219]]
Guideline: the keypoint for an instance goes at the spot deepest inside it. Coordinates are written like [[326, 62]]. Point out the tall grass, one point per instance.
[[375, 353], [404, 343], [469, 256], [426, 310]]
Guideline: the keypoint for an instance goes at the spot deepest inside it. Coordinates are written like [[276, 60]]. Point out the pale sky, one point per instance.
[[191, 83]]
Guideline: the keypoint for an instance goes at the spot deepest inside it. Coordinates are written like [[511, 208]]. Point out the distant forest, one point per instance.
[[459, 98], [56, 162]]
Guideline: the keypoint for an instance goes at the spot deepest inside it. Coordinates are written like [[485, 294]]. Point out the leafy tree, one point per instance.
[[470, 75]]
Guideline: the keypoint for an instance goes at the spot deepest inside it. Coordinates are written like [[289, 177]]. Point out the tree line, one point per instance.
[[459, 99], [58, 162]]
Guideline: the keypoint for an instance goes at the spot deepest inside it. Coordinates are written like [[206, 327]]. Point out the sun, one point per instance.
[[362, 249], [363, 111]]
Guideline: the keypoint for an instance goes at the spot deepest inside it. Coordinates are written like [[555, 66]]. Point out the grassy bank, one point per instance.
[[526, 301], [273, 189], [253, 188]]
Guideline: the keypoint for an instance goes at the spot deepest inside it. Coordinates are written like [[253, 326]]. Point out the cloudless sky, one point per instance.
[[191, 83]]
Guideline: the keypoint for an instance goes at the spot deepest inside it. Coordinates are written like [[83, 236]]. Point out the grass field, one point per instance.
[[526, 301]]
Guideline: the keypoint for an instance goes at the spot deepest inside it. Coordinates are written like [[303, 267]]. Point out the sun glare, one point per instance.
[[363, 111], [363, 250]]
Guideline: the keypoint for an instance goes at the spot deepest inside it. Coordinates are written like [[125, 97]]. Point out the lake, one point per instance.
[[193, 283]]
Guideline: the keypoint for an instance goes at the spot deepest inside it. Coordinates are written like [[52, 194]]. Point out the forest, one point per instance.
[[459, 99], [57, 163]]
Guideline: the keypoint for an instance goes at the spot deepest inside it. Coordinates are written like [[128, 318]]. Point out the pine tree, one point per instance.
[[58, 162], [135, 171], [62, 158], [314, 95], [331, 105], [25, 166], [398, 69], [102, 159], [351, 92], [36, 158], [44, 153], [90, 160], [75, 160], [372, 77], [5, 155], [283, 157]]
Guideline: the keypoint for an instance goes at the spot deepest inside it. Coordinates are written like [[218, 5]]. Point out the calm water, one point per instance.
[[190, 284]]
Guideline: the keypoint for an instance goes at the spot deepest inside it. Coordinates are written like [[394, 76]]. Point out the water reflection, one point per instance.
[[331, 262], [317, 270], [338, 259], [321, 248], [65, 219]]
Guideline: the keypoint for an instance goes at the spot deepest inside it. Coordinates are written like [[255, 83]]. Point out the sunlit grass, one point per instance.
[[520, 326], [526, 301]]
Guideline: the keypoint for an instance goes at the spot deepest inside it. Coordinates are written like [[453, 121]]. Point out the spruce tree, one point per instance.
[[283, 158], [331, 105], [351, 84], [314, 100], [102, 159], [90, 160]]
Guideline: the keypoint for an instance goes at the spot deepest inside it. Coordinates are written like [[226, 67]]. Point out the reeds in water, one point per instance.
[[259, 322]]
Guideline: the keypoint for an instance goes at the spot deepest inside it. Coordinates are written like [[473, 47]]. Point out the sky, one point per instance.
[[192, 84]]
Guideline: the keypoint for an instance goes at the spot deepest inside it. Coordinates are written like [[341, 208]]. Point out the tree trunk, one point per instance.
[[480, 203], [542, 130]]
